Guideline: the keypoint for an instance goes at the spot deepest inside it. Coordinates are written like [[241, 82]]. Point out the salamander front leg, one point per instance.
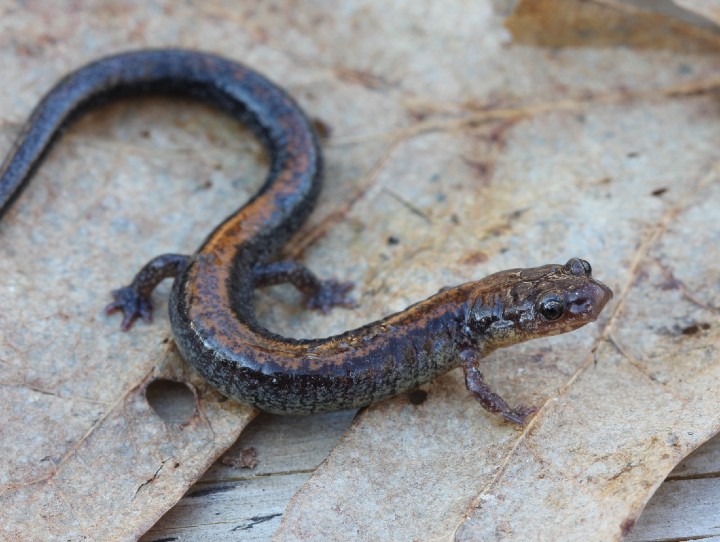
[[490, 400], [320, 294], [135, 300]]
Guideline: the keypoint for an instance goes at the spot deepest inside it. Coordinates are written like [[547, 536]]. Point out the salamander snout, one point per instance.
[[588, 300], [569, 298]]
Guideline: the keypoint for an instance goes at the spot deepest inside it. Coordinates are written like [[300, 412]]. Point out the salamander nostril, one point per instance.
[[581, 305]]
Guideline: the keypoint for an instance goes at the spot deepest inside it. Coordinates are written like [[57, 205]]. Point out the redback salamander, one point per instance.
[[212, 300]]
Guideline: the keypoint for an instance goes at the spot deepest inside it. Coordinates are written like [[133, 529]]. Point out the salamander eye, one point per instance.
[[551, 307], [578, 267]]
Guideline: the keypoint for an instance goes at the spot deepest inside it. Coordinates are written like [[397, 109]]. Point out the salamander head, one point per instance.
[[522, 304]]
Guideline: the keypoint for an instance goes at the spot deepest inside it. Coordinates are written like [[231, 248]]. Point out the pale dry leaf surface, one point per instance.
[[602, 144], [82, 447], [84, 455], [475, 145]]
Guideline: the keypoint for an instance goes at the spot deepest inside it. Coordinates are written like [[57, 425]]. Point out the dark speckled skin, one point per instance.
[[212, 300], [384, 358]]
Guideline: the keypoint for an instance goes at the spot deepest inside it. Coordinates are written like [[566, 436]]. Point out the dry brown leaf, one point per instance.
[[84, 455], [610, 152], [477, 147]]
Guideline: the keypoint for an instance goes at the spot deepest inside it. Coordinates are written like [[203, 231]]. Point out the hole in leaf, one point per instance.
[[695, 328], [173, 401], [417, 397]]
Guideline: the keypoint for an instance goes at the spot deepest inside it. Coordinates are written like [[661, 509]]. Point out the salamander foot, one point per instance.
[[519, 415], [331, 294], [132, 304]]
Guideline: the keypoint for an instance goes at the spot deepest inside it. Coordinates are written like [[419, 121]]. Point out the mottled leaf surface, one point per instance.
[[460, 139], [603, 143]]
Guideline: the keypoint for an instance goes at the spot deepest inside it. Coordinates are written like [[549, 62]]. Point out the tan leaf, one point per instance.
[[608, 152], [571, 129], [84, 455]]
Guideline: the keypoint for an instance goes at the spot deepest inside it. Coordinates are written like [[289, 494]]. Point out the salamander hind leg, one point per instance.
[[320, 294], [135, 300], [490, 400]]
